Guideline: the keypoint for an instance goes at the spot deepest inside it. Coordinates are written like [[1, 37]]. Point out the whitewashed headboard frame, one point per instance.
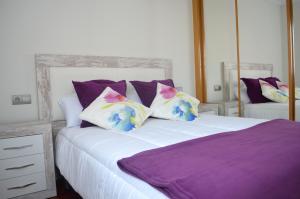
[[249, 70], [44, 62]]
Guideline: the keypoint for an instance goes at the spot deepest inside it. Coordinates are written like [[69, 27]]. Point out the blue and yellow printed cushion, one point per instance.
[[111, 110], [272, 93], [285, 88], [171, 104]]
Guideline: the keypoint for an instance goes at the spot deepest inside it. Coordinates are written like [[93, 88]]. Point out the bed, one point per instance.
[[92, 153], [87, 158], [269, 110]]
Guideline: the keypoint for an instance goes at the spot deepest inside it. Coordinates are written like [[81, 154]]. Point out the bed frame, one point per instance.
[[249, 70], [54, 74]]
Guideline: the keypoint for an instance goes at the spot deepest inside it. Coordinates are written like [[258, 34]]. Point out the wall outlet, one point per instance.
[[179, 88], [217, 87], [21, 99]]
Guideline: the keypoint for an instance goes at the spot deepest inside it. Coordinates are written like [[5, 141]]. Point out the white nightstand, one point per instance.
[[209, 108], [26, 161], [231, 108]]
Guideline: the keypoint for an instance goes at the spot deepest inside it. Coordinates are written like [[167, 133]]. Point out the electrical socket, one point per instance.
[[21, 99], [217, 87]]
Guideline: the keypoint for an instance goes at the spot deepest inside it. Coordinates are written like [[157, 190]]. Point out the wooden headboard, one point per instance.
[[54, 74]]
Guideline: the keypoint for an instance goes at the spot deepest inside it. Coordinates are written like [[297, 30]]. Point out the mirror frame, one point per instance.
[[291, 59], [199, 50]]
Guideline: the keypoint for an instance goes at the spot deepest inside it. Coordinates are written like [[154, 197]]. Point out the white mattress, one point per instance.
[[87, 157], [270, 110]]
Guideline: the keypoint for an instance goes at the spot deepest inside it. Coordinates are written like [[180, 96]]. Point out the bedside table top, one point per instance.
[[24, 128], [208, 107]]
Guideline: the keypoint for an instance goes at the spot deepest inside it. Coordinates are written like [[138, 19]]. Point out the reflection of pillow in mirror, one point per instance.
[[272, 93], [285, 88], [244, 95], [254, 89]]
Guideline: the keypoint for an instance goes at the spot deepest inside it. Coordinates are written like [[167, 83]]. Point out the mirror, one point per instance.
[[263, 58], [220, 50]]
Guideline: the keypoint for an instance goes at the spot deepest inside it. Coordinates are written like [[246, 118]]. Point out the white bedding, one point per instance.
[[270, 110], [87, 157]]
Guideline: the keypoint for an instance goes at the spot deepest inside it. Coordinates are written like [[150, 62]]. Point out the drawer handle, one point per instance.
[[21, 187], [20, 167], [18, 147]]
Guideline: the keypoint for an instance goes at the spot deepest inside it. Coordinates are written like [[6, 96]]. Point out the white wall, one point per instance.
[[297, 41], [261, 33], [284, 44], [260, 36], [140, 28], [220, 42]]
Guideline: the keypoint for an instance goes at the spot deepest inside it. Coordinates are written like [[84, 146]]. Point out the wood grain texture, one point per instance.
[[56, 127], [199, 50], [232, 105], [35, 128], [238, 62], [291, 59], [205, 107], [44, 62]]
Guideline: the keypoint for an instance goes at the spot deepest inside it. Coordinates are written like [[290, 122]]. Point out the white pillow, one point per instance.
[[71, 108], [272, 93], [131, 93], [244, 95], [171, 104], [113, 111], [285, 88]]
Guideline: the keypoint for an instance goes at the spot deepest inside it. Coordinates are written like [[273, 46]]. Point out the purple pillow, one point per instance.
[[101, 81], [254, 90], [147, 90], [88, 91], [271, 80]]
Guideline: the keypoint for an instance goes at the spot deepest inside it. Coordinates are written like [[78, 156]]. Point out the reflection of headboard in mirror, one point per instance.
[[248, 70], [56, 72]]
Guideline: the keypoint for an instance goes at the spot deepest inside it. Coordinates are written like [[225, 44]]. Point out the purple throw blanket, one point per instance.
[[261, 162]]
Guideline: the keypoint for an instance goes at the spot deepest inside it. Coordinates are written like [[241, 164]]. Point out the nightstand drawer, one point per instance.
[[22, 185], [20, 146], [233, 112], [15, 167], [208, 113]]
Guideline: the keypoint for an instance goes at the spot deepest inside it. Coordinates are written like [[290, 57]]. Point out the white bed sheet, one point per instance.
[[270, 110], [87, 157]]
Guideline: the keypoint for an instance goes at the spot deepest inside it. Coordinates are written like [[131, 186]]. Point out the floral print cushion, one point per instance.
[[285, 88], [112, 110], [171, 104], [273, 93]]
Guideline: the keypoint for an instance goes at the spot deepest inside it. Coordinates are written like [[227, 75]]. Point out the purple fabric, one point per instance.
[[271, 80], [88, 91], [261, 162], [101, 81], [147, 90], [254, 90]]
